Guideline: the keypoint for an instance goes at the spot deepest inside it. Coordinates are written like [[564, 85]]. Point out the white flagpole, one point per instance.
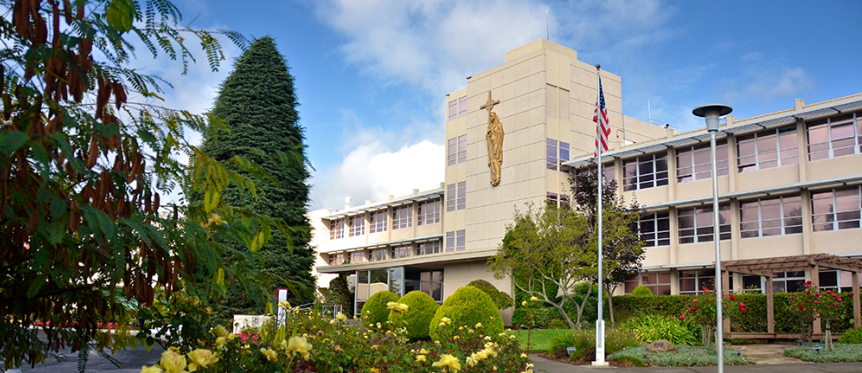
[[600, 323]]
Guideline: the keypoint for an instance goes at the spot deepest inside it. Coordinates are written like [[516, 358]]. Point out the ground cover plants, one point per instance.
[[840, 353], [686, 356]]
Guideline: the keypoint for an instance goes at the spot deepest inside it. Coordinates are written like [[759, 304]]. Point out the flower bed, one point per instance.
[[842, 353], [687, 356]]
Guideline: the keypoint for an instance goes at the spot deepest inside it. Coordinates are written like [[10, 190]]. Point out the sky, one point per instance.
[[371, 76]]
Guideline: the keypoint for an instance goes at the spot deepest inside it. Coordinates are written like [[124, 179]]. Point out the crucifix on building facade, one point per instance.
[[494, 138]]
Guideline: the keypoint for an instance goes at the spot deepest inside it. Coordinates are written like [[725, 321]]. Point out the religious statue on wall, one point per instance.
[[494, 138]]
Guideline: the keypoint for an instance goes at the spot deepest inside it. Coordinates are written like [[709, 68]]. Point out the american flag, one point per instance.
[[603, 127]]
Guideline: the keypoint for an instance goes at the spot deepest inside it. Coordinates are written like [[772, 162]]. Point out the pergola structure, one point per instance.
[[813, 263]]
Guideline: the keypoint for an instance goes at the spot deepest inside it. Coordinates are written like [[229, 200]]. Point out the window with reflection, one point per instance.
[[426, 248], [645, 172], [402, 217], [378, 221], [693, 281], [835, 137], [657, 282], [770, 217], [836, 209], [694, 162], [788, 282], [431, 283], [429, 211], [336, 229], [399, 252], [655, 228], [357, 225], [767, 149], [695, 224]]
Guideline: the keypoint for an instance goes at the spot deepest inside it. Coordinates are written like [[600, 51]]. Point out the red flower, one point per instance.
[[801, 307], [694, 300], [816, 301], [835, 304], [839, 299], [743, 309], [792, 297], [732, 297], [828, 291], [819, 295], [682, 317]]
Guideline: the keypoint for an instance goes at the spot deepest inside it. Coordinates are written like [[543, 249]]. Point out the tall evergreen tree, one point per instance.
[[258, 103]]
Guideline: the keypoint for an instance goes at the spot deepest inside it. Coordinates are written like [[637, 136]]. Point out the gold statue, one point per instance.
[[494, 138]]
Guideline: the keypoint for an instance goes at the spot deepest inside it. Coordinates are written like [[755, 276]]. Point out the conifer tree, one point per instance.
[[258, 103]]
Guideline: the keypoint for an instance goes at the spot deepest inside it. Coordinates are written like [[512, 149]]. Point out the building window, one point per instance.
[[457, 150], [400, 252], [456, 196], [462, 195], [693, 162], [456, 240], [835, 137], [357, 225], [658, 283], [378, 221], [836, 209], [336, 259], [558, 200], [767, 149], [358, 257], [431, 283], [429, 212], [645, 172], [837, 281], [377, 255], [336, 229], [551, 104], [453, 109], [462, 106], [788, 282], [557, 152], [426, 248], [402, 217], [770, 217], [695, 223], [655, 228], [692, 282]]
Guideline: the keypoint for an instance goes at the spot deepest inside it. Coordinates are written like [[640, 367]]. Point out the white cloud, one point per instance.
[[767, 82], [372, 171]]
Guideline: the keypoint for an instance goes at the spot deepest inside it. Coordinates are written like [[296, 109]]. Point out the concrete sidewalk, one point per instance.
[[543, 365]]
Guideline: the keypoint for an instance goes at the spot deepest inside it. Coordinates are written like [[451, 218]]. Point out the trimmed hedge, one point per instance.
[[467, 307], [853, 336], [642, 291], [501, 299], [421, 309], [375, 311], [626, 307]]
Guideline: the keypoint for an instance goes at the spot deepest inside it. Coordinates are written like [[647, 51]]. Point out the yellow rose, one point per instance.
[[534, 299], [524, 303], [172, 362], [448, 361], [524, 355], [300, 346], [420, 357], [221, 341], [231, 336], [220, 331], [375, 370], [201, 358], [445, 320], [479, 325], [423, 351], [271, 355], [152, 369], [341, 317]]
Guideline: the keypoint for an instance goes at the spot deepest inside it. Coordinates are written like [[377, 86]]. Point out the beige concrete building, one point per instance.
[[438, 240]]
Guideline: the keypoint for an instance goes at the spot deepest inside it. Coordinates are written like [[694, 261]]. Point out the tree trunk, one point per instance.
[[609, 291], [583, 304]]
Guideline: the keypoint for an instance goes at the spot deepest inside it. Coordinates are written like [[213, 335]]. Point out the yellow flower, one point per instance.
[[523, 355], [284, 304], [231, 336], [494, 368], [423, 351], [172, 362], [220, 331], [375, 370], [374, 347], [397, 307], [299, 345], [152, 369], [478, 325], [524, 303], [448, 361], [341, 317], [460, 328], [456, 338], [445, 320], [271, 355], [221, 341], [379, 326], [420, 357], [201, 358]]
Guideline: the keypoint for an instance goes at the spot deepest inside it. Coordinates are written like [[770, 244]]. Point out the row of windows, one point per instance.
[[693, 281], [458, 108], [379, 254], [428, 212], [456, 196], [456, 150], [827, 138], [833, 209]]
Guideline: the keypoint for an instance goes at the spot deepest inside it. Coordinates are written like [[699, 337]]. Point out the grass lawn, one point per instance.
[[540, 339]]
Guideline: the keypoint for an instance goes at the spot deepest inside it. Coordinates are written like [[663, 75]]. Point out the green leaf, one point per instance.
[[120, 14], [34, 287], [11, 141], [58, 207]]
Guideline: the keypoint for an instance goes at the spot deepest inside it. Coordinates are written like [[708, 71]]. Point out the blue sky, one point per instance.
[[371, 75]]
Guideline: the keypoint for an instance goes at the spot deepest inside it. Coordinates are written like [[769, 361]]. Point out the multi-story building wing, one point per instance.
[[789, 184]]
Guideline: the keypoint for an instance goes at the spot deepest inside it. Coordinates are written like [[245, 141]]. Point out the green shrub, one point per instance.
[[557, 324], [541, 316], [374, 310], [501, 299], [629, 361], [642, 291], [650, 328], [583, 340], [687, 356], [467, 307], [421, 309], [853, 336], [843, 353]]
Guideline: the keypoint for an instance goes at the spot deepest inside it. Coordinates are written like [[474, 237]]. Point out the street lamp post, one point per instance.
[[712, 113]]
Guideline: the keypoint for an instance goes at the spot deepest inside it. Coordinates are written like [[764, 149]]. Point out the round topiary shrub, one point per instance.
[[642, 291], [374, 310], [501, 299], [467, 307], [418, 316], [853, 336]]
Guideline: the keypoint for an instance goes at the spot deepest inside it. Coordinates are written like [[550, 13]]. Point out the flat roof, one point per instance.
[[376, 206]]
